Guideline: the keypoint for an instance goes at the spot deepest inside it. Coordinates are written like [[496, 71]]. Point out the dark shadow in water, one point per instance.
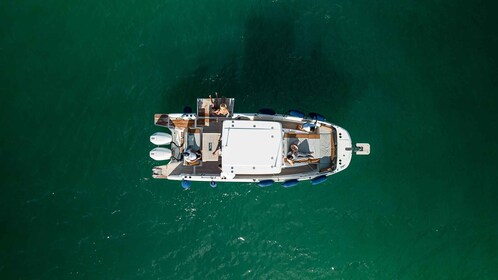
[[272, 73]]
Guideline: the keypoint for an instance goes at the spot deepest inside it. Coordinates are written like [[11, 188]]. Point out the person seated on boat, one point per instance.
[[291, 159], [222, 111], [191, 156], [219, 109], [214, 103], [308, 127], [293, 149], [294, 155]]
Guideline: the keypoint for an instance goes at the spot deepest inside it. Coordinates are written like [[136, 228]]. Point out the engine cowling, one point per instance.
[[160, 153], [161, 138]]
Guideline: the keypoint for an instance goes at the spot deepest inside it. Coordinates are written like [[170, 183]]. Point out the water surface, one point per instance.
[[81, 80]]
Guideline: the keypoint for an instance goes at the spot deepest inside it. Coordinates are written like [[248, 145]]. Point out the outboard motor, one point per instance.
[[160, 154], [161, 138]]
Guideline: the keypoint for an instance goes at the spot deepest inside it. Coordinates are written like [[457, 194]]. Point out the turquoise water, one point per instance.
[[81, 80]]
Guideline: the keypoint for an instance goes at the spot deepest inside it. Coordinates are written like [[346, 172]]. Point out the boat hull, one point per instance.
[[332, 142]]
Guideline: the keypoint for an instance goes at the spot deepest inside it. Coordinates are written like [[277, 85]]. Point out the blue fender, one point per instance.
[[187, 110], [296, 113], [266, 183], [316, 116], [186, 184], [290, 183], [318, 180]]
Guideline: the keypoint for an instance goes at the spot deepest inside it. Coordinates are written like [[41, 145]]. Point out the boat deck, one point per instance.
[[204, 134]]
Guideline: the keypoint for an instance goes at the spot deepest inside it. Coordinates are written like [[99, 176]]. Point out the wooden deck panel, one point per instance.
[[302, 135], [183, 123], [332, 148]]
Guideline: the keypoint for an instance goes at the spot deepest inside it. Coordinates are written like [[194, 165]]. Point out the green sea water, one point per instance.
[[81, 80]]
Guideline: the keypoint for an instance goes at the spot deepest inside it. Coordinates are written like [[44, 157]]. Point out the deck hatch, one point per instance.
[[251, 147]]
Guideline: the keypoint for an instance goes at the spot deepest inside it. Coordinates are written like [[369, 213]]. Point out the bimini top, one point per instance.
[[251, 147]]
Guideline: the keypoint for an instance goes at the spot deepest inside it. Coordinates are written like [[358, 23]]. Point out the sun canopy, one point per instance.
[[251, 147]]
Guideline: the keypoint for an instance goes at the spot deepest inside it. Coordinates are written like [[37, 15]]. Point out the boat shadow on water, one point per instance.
[[277, 68]]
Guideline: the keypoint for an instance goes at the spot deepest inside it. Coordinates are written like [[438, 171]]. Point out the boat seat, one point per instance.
[[193, 141]]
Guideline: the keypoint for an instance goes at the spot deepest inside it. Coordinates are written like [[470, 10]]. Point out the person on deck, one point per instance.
[[308, 127], [294, 155], [219, 109], [218, 148], [223, 110], [191, 156]]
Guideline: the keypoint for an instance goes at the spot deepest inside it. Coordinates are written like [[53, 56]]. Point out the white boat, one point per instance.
[[263, 147]]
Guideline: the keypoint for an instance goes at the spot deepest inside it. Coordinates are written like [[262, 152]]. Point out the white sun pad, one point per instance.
[[251, 147]]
